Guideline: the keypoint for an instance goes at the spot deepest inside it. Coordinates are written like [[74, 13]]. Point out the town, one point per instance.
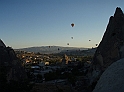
[[55, 68]]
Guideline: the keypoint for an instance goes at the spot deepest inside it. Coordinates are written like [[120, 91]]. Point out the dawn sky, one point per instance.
[[28, 23]]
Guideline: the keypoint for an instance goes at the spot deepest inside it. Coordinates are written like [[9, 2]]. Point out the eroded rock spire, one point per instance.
[[111, 46]]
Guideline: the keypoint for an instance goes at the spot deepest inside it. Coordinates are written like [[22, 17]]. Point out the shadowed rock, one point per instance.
[[11, 69], [112, 79], [111, 48]]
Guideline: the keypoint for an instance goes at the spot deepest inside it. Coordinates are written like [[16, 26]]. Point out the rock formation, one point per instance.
[[65, 59], [112, 79], [110, 48], [10, 67]]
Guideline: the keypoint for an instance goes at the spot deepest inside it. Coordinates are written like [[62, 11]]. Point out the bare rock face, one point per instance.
[[111, 48], [2, 44], [112, 79], [10, 67]]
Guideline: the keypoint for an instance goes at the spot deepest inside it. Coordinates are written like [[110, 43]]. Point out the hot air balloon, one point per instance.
[[67, 43], [72, 24], [71, 37], [89, 40]]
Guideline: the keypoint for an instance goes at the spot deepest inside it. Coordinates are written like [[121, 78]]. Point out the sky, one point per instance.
[[28, 23]]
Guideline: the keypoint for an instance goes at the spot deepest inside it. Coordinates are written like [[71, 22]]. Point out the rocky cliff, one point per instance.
[[11, 69], [112, 78], [110, 48]]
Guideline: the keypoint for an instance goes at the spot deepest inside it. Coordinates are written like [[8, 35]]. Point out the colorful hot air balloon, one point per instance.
[[72, 24]]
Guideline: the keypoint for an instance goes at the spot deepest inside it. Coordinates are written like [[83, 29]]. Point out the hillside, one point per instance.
[[50, 49]]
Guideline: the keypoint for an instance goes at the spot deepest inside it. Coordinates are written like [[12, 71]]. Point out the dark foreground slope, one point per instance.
[[12, 75]]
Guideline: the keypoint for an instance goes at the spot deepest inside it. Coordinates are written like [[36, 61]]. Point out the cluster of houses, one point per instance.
[[34, 66]]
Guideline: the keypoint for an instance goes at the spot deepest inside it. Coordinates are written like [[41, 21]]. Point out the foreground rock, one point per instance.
[[12, 74], [112, 79], [110, 49]]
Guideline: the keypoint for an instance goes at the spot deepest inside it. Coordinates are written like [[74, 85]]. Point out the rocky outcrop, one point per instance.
[[110, 48], [112, 79], [10, 67], [65, 59], [2, 44]]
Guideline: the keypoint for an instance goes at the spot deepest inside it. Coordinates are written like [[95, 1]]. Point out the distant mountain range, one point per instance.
[[51, 49]]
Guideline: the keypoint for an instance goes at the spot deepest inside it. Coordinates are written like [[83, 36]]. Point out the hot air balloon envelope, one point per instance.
[[72, 24]]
